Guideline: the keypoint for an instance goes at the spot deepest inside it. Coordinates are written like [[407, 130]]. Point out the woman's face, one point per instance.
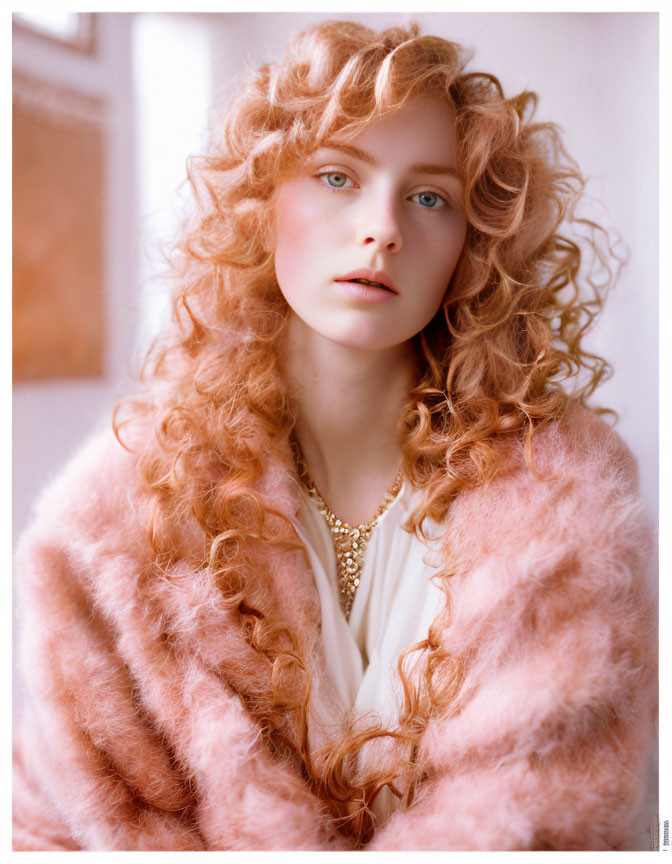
[[383, 206]]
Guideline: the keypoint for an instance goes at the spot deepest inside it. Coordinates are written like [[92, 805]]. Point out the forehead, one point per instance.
[[423, 130]]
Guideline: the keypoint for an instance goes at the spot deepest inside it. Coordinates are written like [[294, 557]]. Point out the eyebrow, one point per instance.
[[368, 159]]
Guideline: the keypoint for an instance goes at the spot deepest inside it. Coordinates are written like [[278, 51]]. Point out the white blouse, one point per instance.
[[394, 607]]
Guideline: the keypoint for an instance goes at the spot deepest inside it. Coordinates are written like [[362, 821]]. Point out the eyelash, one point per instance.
[[322, 175]]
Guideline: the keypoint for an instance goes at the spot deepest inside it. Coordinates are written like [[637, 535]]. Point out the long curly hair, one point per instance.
[[497, 361]]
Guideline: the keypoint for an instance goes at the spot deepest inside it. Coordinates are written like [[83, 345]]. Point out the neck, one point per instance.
[[348, 402]]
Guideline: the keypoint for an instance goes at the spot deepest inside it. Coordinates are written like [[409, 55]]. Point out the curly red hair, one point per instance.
[[494, 363]]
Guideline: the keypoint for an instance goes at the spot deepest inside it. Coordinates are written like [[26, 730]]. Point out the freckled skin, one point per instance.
[[337, 213]]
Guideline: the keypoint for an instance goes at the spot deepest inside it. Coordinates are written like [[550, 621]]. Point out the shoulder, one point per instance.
[[578, 500], [96, 502], [584, 446], [549, 628]]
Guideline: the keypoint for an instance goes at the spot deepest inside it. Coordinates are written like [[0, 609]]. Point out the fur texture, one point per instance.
[[133, 734]]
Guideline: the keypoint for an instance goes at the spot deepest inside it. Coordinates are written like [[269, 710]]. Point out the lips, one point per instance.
[[374, 278]]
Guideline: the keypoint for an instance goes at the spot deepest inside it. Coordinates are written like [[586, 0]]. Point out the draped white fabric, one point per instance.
[[395, 604]]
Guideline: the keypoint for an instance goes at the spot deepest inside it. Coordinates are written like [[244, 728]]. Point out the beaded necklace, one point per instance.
[[349, 541]]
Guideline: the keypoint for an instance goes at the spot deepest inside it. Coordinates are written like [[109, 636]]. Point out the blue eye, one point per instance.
[[429, 200], [334, 179]]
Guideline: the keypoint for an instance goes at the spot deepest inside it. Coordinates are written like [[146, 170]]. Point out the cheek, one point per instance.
[[440, 259], [447, 253], [294, 233], [455, 247]]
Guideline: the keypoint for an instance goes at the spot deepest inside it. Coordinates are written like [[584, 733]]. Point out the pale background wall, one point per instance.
[[51, 417]]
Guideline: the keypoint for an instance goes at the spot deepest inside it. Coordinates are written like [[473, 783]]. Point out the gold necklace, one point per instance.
[[349, 541]]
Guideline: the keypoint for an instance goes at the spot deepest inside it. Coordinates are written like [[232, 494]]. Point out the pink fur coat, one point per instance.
[[133, 733]]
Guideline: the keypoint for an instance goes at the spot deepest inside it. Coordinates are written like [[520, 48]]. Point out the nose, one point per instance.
[[379, 224]]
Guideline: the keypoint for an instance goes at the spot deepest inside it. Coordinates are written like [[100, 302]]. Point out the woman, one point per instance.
[[357, 569]]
